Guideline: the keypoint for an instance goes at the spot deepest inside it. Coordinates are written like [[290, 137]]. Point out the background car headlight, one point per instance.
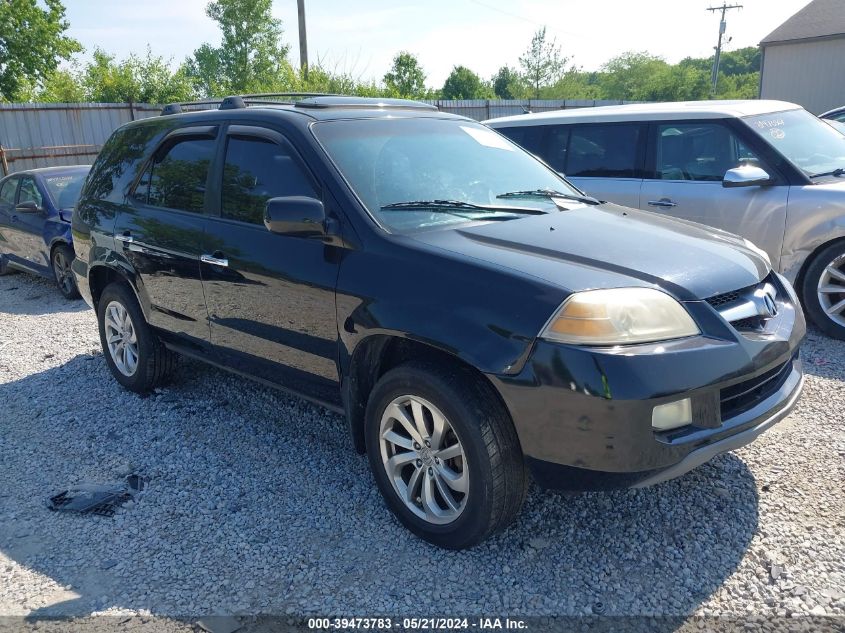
[[619, 316]]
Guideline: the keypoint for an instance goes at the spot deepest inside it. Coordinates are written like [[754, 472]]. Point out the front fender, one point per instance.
[[815, 217], [486, 316]]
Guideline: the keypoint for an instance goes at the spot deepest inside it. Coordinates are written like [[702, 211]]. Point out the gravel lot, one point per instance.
[[258, 504]]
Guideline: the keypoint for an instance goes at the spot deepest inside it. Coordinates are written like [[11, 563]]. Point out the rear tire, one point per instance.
[[823, 302], [480, 454], [61, 259], [136, 357]]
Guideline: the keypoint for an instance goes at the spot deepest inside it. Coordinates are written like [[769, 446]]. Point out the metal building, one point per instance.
[[803, 60]]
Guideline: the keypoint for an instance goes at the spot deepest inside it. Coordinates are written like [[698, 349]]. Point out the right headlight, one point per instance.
[[619, 316]]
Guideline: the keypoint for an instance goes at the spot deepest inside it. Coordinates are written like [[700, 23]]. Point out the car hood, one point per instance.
[[609, 246]]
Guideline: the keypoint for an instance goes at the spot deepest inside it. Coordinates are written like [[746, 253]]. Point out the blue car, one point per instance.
[[35, 211]]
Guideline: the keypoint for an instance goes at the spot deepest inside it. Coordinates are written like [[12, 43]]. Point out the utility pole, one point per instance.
[[714, 77], [303, 41]]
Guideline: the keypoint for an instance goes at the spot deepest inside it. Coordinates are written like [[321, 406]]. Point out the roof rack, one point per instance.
[[344, 101], [301, 100], [235, 102]]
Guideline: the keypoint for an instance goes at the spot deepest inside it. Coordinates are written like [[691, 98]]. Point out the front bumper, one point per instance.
[[583, 415]]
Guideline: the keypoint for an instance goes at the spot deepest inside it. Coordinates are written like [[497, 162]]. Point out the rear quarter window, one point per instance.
[[120, 161]]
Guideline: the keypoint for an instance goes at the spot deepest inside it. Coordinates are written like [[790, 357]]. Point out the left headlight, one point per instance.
[[619, 316]]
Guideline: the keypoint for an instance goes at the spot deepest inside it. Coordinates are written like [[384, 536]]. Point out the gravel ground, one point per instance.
[[257, 504]]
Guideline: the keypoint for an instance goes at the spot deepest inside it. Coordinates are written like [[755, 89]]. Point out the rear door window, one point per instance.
[[177, 176], [256, 170], [603, 151]]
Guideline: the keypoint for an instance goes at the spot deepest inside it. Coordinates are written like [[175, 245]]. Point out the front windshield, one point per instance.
[[64, 190], [394, 161], [811, 145]]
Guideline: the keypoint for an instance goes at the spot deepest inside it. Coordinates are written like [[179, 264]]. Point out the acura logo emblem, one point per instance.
[[764, 298]]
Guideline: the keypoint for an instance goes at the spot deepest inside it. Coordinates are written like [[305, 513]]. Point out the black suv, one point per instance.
[[475, 316]]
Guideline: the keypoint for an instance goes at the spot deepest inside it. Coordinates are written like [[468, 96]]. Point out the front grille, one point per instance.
[[720, 300], [744, 395], [741, 308]]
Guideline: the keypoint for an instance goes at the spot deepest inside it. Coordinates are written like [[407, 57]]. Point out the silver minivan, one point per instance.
[[768, 171]]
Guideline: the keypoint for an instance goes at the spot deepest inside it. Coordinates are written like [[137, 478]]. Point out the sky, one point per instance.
[[362, 36]]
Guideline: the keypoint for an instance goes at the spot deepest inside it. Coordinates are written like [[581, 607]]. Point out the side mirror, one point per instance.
[[746, 176], [30, 206], [296, 216]]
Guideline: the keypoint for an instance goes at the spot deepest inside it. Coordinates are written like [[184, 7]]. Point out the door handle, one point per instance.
[[126, 238], [215, 261], [664, 202]]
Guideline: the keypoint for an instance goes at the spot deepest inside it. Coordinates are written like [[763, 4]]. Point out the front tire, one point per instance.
[[135, 355], [823, 290], [61, 259], [444, 454]]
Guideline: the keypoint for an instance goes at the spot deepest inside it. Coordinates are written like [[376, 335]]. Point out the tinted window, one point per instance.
[[7, 193], [548, 142], [255, 171], [176, 176], [606, 151], [29, 192], [122, 157], [699, 151], [530, 137]]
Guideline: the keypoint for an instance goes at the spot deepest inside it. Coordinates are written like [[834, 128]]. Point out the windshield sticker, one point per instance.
[[60, 181], [769, 123], [488, 138], [777, 133]]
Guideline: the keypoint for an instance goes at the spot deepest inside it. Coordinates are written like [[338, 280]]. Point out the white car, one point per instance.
[[768, 171]]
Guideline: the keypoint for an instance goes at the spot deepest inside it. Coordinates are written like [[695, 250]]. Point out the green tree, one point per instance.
[[406, 77], [251, 56], [542, 63], [147, 79], [62, 86], [32, 42], [507, 83], [323, 80], [462, 83], [575, 84]]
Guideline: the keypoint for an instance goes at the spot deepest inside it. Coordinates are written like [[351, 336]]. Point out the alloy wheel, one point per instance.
[[62, 271], [424, 459], [831, 290], [121, 338]]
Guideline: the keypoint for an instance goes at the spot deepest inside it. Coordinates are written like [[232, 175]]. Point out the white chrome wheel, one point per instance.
[[121, 338], [424, 459]]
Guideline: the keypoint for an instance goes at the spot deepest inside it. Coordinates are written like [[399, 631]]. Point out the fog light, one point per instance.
[[672, 415]]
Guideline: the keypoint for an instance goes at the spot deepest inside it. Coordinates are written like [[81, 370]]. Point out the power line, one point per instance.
[[714, 77]]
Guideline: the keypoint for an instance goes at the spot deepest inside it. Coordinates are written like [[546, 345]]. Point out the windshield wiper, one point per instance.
[[839, 171], [451, 206], [548, 193]]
